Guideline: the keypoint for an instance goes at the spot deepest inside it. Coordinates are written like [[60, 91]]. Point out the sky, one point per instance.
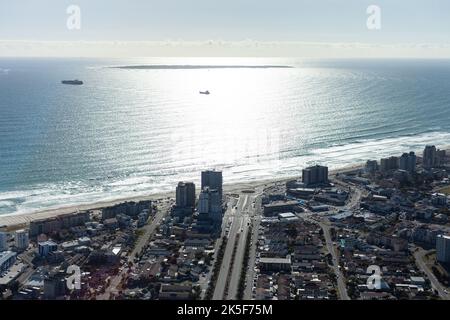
[[414, 28]]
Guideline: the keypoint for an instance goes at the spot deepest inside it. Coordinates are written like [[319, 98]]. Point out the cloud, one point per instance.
[[207, 48]]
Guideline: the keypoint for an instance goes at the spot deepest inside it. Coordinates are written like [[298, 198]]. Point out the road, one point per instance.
[[241, 216], [342, 288], [244, 222], [419, 256], [248, 293], [204, 283], [149, 231], [26, 259], [234, 228], [353, 203], [355, 195]]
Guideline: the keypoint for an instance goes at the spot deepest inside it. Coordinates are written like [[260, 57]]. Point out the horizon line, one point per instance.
[[220, 48]]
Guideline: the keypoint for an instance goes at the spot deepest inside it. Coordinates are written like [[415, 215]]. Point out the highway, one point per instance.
[[244, 222], [241, 216], [234, 218], [248, 292], [232, 201]]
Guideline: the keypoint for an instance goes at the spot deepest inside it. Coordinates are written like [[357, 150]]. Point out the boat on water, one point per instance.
[[204, 92], [73, 82]]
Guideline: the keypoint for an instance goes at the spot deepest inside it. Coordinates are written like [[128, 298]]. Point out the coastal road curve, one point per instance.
[[419, 256]]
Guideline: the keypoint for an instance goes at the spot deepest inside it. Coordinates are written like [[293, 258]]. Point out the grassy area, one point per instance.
[[431, 256], [216, 269], [439, 271], [445, 190]]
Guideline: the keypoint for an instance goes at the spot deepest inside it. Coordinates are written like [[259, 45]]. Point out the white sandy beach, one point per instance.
[[14, 221]]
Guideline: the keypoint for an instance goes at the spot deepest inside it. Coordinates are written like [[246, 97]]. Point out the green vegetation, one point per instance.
[[241, 287], [216, 269], [445, 190], [441, 275], [233, 257]]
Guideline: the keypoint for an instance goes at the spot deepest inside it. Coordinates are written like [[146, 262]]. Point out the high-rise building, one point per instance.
[[3, 241], [185, 195], [443, 248], [215, 211], [387, 164], [429, 157], [210, 205], [315, 175], [408, 161], [371, 166], [21, 240], [203, 202], [213, 180], [440, 157]]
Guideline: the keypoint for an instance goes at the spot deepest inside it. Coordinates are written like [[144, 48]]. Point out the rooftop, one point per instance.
[[286, 215], [48, 243], [5, 256], [275, 260]]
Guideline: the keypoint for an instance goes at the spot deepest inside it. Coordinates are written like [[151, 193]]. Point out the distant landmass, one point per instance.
[[178, 67]]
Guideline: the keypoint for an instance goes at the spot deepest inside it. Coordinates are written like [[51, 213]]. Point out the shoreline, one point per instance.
[[22, 220]]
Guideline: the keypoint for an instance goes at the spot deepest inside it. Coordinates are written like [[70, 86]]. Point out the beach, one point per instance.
[[16, 221]]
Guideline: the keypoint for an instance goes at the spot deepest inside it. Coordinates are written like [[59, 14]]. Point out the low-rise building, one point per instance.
[[275, 264], [7, 259], [280, 206], [287, 217], [45, 247], [438, 199], [175, 292], [58, 223]]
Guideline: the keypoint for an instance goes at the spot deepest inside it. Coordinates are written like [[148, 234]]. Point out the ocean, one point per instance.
[[137, 131]]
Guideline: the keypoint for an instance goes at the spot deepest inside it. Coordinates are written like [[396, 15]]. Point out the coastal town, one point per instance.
[[379, 231]]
